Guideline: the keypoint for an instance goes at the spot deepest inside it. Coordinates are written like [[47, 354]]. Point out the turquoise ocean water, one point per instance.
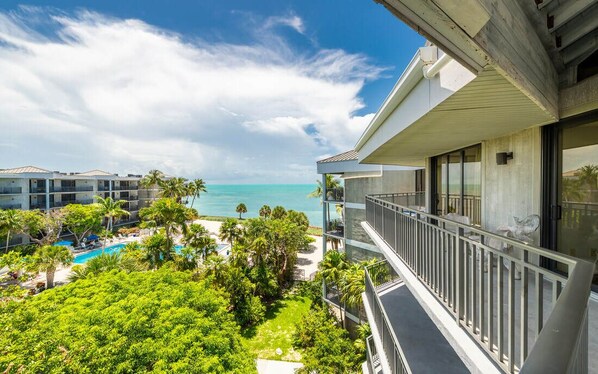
[[222, 199]]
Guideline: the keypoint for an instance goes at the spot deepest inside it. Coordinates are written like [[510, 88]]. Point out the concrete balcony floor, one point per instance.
[[426, 349]]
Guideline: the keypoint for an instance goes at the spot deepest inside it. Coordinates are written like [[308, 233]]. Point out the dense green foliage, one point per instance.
[[159, 322], [326, 346]]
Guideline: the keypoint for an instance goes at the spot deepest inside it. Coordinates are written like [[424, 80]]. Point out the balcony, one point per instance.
[[128, 198], [60, 204], [37, 190], [10, 206], [10, 190], [125, 188], [102, 187], [335, 228], [38, 205], [525, 317], [62, 189]]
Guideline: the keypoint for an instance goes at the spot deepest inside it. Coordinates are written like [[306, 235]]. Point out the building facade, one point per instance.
[[30, 187], [497, 272]]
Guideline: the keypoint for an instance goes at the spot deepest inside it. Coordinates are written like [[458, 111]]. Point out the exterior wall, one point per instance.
[[355, 192], [513, 189]]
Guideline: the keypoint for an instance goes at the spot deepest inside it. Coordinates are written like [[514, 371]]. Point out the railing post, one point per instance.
[[417, 246], [460, 291]]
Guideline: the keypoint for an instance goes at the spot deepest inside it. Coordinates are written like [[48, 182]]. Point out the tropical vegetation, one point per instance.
[[163, 321]]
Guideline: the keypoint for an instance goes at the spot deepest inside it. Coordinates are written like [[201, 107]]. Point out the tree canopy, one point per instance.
[[116, 322]]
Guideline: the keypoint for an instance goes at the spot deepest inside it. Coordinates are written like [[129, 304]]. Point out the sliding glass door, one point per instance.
[[457, 182], [572, 213]]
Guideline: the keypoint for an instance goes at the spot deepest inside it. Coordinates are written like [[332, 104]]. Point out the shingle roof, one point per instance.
[[96, 172], [24, 170], [345, 156]]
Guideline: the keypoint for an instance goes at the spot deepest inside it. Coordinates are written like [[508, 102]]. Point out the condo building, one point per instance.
[[494, 270], [31, 187]]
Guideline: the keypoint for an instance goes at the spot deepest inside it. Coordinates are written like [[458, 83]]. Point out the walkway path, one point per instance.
[[277, 367]]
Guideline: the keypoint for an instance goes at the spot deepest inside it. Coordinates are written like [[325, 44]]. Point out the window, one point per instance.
[[457, 183]]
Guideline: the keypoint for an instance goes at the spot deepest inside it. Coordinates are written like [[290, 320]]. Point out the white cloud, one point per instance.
[[291, 21], [126, 96]]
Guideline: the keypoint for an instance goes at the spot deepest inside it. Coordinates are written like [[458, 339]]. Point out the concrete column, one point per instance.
[[47, 195], [324, 216]]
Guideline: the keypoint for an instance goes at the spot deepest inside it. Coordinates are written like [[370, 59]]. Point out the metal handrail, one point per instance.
[[10, 190], [448, 257], [392, 347]]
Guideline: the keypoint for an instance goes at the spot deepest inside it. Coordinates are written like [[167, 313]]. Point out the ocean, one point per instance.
[[222, 200]]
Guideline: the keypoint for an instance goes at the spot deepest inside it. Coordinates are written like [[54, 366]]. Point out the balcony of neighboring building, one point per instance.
[[70, 189], [452, 297], [10, 205], [10, 190], [125, 187], [63, 203]]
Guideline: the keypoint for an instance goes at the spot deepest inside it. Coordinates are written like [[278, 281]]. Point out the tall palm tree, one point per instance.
[[331, 183], [241, 208], [265, 211], [170, 214], [198, 238], [153, 178], [588, 174], [11, 222], [110, 209], [333, 266], [229, 231], [47, 258], [174, 188], [197, 187]]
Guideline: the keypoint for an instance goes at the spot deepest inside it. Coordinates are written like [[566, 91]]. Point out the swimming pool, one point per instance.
[[116, 248]]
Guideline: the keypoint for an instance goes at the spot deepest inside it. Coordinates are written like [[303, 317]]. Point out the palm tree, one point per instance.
[[197, 187], [572, 190], [331, 183], [10, 222], [333, 266], [198, 239], [174, 188], [153, 178], [265, 211], [241, 208], [110, 209], [588, 174], [170, 214], [47, 258], [229, 231], [215, 266]]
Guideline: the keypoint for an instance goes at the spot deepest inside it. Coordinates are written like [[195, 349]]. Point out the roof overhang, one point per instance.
[[486, 107]]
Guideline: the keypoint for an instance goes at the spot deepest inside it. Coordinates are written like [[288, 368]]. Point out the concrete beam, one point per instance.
[[487, 33]]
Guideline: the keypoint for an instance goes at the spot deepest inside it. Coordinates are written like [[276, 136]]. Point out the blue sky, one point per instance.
[[233, 91]]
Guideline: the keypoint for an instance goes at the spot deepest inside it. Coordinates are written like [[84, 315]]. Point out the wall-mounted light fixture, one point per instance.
[[502, 157]]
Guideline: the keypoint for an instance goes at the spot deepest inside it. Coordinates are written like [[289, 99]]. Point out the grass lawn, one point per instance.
[[313, 230], [277, 330]]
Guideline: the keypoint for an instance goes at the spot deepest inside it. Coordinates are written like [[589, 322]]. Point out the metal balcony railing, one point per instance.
[[38, 205], [10, 206], [10, 190], [60, 189], [376, 276], [528, 318], [59, 204], [37, 189], [373, 359], [125, 188]]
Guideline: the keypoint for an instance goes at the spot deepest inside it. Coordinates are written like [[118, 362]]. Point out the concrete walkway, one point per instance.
[[277, 367]]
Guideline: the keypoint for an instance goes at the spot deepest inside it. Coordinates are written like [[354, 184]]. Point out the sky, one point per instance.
[[228, 91]]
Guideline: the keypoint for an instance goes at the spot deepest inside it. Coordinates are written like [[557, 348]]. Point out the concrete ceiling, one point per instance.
[[487, 107]]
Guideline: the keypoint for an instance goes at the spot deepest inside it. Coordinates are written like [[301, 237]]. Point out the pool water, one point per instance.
[[116, 248]]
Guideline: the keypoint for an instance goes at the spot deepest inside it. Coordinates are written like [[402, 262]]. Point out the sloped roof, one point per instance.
[[345, 156], [96, 173], [24, 170]]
